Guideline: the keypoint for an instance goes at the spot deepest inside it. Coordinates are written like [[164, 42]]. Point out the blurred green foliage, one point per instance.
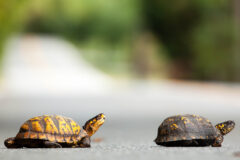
[[83, 20], [12, 15], [213, 44], [199, 36], [180, 39]]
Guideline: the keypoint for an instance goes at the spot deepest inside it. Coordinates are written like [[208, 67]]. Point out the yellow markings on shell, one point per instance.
[[201, 137], [193, 137], [51, 137], [75, 127], [173, 126], [25, 126], [33, 135], [64, 128], [59, 138], [36, 118], [37, 127], [196, 116], [50, 126], [67, 139], [185, 120], [42, 136], [199, 119], [184, 138]]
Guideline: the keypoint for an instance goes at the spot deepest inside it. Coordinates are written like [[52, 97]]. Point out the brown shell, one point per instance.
[[54, 128], [185, 127]]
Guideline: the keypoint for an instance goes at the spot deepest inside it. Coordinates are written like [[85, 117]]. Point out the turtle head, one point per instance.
[[222, 129], [92, 125], [225, 127]]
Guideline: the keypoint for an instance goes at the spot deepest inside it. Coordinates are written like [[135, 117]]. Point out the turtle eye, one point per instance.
[[99, 117]]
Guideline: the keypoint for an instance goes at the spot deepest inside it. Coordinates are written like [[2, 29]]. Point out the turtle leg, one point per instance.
[[218, 142], [11, 143], [48, 144], [85, 142], [219, 139]]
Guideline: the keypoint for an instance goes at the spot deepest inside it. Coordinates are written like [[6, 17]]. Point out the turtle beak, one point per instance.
[[100, 119]]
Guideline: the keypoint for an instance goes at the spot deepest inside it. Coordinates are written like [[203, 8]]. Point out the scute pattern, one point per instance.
[[53, 128], [185, 127]]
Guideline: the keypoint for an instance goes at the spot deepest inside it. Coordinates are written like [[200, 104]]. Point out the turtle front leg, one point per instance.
[[85, 143], [48, 144], [11, 143], [218, 141]]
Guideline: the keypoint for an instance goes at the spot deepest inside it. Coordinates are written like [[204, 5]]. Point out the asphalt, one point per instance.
[[125, 143], [133, 117]]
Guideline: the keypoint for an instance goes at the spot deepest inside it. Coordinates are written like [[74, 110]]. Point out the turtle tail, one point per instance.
[[11, 143], [225, 127]]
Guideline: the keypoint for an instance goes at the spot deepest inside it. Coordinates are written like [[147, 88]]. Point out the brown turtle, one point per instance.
[[192, 130], [54, 131]]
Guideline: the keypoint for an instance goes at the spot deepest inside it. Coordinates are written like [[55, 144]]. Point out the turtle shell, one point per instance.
[[184, 128], [54, 128]]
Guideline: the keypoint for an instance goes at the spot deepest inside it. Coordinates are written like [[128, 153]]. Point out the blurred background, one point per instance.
[[134, 60], [145, 39]]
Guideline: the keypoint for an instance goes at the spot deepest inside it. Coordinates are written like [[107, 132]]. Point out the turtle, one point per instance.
[[192, 130], [55, 131]]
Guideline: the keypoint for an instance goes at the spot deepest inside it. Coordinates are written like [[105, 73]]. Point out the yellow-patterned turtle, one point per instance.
[[54, 131], [192, 130]]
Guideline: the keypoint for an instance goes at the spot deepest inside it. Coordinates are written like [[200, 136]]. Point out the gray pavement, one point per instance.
[[126, 143], [133, 117]]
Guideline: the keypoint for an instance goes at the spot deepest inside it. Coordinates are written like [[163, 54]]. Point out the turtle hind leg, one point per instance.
[[48, 144], [11, 143]]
